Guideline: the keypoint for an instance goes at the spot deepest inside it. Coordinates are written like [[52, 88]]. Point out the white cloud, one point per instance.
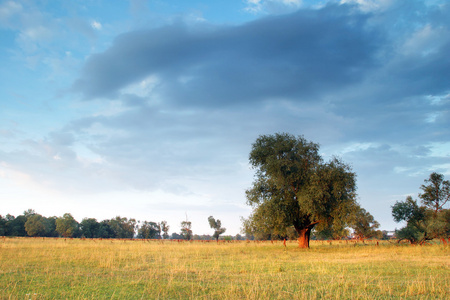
[[272, 6], [96, 25], [371, 5]]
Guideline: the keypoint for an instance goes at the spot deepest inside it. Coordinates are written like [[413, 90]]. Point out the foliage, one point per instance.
[[217, 226], [364, 225], [293, 186], [35, 225], [15, 226], [3, 222], [429, 221], [330, 233], [105, 231], [89, 228], [186, 230], [176, 236], [149, 230], [67, 226], [165, 229], [32, 224], [437, 193], [122, 227], [50, 226]]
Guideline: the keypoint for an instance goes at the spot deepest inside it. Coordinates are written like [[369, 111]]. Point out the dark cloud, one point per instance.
[[373, 69], [335, 74], [290, 56]]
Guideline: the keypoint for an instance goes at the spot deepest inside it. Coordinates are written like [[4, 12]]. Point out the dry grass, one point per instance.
[[118, 269]]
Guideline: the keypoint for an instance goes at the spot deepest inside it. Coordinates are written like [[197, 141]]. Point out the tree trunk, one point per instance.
[[304, 233], [303, 237]]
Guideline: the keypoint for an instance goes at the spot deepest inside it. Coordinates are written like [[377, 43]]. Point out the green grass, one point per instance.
[[117, 269]]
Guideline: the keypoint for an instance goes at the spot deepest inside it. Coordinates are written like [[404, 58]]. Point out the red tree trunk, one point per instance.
[[303, 238], [304, 235]]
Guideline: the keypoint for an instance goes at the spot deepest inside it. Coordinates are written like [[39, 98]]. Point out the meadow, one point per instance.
[[46, 268]]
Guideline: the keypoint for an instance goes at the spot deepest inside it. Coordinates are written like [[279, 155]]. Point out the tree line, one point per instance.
[[33, 224], [296, 194]]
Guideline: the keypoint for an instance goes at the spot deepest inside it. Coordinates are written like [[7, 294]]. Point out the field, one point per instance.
[[37, 268]]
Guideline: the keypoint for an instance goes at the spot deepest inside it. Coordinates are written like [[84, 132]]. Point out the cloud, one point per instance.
[[295, 55], [96, 25], [272, 6], [183, 85]]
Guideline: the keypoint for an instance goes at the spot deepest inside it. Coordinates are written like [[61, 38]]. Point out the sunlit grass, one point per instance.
[[130, 269]]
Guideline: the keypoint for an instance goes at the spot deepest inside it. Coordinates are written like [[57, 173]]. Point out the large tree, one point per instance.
[[293, 186]]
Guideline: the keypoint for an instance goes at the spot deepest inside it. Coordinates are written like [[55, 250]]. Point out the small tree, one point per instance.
[[186, 230], [165, 229], [217, 226], [436, 194]]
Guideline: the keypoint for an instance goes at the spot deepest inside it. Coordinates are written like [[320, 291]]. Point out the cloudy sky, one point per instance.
[[148, 109]]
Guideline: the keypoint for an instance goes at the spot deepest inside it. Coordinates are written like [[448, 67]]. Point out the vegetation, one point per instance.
[[33, 224], [149, 230], [429, 221], [294, 187], [52, 268], [364, 225], [186, 231], [217, 226]]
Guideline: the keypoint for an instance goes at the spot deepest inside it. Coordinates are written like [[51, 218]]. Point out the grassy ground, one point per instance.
[[118, 269]]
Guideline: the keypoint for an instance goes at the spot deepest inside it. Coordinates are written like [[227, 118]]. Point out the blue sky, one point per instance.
[[148, 109]]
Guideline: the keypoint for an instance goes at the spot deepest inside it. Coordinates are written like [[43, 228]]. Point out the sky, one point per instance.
[[148, 109]]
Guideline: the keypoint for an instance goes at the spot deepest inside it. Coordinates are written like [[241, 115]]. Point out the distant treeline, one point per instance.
[[33, 224]]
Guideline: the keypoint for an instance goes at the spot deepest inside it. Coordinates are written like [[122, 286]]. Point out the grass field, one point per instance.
[[129, 269]]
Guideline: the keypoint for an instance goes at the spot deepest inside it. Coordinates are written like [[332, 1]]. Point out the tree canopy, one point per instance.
[[217, 226], [186, 230], [429, 220], [149, 230], [364, 225], [293, 186], [67, 226]]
